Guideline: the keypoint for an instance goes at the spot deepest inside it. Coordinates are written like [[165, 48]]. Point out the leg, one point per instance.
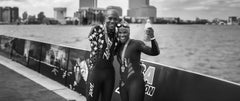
[[124, 93], [136, 88], [108, 86], [93, 88]]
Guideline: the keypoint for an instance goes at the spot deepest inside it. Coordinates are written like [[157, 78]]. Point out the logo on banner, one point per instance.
[[80, 70], [148, 77]]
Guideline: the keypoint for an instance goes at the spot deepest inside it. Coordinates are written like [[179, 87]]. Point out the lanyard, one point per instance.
[[124, 50]]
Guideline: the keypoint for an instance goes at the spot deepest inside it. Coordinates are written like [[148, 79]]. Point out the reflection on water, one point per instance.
[[213, 50]]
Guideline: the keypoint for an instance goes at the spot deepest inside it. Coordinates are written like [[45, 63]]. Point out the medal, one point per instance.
[[122, 68], [122, 84]]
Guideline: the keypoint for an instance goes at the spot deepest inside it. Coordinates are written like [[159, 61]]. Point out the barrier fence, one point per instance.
[[68, 66]]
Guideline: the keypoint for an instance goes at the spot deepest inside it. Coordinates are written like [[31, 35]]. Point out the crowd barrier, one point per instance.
[[68, 66]]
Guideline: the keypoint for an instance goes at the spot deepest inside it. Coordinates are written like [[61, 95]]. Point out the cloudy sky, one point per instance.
[[185, 9]]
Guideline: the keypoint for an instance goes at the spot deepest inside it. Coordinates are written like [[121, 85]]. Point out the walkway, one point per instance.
[[18, 83]]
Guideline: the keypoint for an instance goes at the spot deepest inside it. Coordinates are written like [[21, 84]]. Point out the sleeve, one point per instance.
[[94, 36], [93, 33], [153, 51]]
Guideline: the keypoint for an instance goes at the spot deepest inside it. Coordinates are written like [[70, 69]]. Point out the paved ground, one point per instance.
[[15, 87], [18, 83]]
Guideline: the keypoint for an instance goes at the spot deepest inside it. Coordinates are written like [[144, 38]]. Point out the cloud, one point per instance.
[[221, 3], [235, 5], [33, 7], [197, 8], [209, 2], [13, 0], [166, 9]]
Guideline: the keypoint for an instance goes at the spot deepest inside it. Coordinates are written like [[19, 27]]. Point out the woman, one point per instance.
[[132, 85]]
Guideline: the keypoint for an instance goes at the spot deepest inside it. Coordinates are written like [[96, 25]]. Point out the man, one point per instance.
[[101, 71]]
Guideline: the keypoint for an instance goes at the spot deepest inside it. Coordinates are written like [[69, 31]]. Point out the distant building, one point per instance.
[[87, 3], [232, 20], [238, 21], [6, 15], [145, 11], [201, 21], [217, 21], [90, 15], [88, 12], [60, 14], [9, 15], [1, 13], [119, 9], [141, 8], [15, 14], [167, 20], [137, 3]]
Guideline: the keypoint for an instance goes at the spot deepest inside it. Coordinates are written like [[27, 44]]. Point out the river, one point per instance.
[[207, 49]]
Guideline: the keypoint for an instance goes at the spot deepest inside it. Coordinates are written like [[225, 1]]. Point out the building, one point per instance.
[[238, 21], [119, 9], [167, 20], [87, 3], [9, 14], [232, 20], [141, 8], [1, 17], [60, 14], [89, 15], [145, 11], [88, 12], [6, 15], [137, 3], [14, 14]]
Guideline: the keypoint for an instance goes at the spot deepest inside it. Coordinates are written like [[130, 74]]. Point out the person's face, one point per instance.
[[123, 34], [111, 19]]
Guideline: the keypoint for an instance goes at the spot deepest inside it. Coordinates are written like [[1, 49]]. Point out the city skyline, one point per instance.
[[185, 9]]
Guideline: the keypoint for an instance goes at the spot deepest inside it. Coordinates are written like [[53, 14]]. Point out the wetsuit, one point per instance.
[[101, 71], [132, 85]]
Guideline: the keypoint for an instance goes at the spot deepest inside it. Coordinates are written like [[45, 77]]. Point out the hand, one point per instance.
[[150, 32]]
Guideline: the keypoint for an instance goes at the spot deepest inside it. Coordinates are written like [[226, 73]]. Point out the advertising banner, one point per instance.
[[163, 83], [33, 52], [18, 51], [6, 45], [169, 84], [54, 62], [151, 74], [77, 70]]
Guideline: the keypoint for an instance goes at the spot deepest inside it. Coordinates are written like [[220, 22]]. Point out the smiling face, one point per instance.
[[123, 34], [111, 19]]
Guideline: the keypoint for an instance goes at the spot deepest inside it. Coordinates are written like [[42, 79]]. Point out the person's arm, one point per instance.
[[93, 35], [154, 50]]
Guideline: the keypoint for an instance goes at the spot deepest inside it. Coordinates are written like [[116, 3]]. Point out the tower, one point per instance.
[[15, 14], [6, 15], [141, 8], [60, 14], [1, 11], [88, 3], [136, 3]]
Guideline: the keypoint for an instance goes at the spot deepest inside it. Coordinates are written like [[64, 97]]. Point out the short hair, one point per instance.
[[111, 10]]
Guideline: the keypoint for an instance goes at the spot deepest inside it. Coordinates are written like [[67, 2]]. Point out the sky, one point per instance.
[[185, 9]]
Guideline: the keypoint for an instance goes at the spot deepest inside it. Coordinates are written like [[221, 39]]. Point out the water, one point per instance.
[[208, 49]]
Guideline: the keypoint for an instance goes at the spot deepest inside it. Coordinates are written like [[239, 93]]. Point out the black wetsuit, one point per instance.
[[101, 76], [132, 85]]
